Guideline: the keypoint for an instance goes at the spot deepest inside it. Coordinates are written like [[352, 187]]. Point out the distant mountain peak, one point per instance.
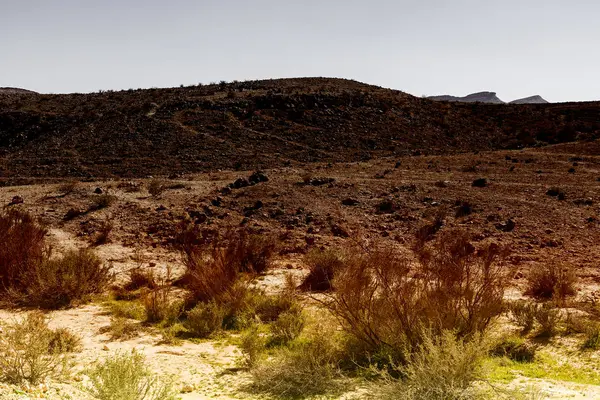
[[537, 99], [482, 97]]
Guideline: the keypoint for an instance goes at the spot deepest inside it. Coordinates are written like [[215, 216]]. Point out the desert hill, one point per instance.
[[260, 124]]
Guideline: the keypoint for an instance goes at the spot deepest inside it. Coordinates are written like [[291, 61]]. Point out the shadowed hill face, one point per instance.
[[260, 124]]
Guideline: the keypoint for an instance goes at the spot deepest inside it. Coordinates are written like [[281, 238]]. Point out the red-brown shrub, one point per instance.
[[21, 245], [388, 300]]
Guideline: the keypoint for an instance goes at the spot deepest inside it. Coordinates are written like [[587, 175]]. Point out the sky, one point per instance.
[[423, 47]]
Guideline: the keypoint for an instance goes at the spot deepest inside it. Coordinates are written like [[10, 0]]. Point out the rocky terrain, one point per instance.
[[530, 100], [259, 124], [316, 165]]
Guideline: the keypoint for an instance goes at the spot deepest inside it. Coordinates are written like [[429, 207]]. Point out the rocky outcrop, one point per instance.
[[530, 100], [479, 97]]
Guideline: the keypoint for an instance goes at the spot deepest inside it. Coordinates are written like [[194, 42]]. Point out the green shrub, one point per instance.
[[548, 317], [515, 349], [121, 328], [310, 367], [592, 337], [288, 326], [205, 319], [125, 376], [441, 368], [30, 351], [252, 346], [523, 314]]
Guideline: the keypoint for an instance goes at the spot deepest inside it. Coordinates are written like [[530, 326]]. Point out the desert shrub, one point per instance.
[[427, 232], [30, 351], [122, 328], [156, 187], [125, 376], [64, 281], [576, 324], [104, 231], [131, 309], [387, 301], [213, 268], [268, 308], [67, 187], [322, 266], [161, 307], [554, 279], [64, 341], [288, 326], [205, 319], [310, 367], [592, 337], [252, 346], [514, 348], [141, 279], [523, 314], [23, 247], [442, 367], [548, 317]]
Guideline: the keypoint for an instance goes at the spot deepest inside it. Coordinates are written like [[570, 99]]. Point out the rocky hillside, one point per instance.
[[256, 124], [11, 90]]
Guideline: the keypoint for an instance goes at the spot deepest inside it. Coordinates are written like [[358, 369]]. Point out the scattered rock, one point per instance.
[[387, 206], [507, 226], [72, 214], [98, 190], [350, 202], [481, 182], [240, 183], [320, 181], [16, 200], [258, 177], [339, 231]]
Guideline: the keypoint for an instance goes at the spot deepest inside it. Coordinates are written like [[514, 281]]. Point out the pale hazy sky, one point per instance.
[[514, 47]]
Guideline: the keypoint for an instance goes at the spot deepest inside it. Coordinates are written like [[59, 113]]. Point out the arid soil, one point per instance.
[[543, 203]]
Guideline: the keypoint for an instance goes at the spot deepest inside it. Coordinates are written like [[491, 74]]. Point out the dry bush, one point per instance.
[[22, 247], [30, 351], [552, 280], [213, 267], [156, 187], [386, 301], [161, 307], [65, 341], [67, 187], [548, 317], [322, 266], [442, 367], [141, 279], [104, 231], [60, 282], [125, 376], [523, 314]]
